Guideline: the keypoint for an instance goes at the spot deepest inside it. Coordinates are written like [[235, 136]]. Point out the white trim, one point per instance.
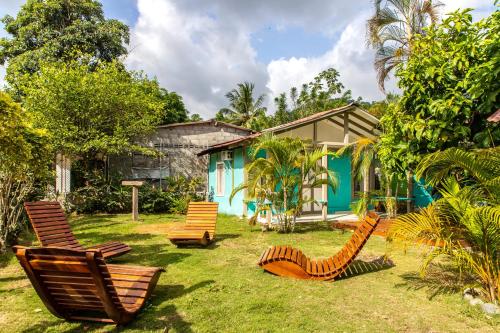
[[222, 180]]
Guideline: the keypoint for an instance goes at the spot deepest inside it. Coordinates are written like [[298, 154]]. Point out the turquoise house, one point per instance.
[[329, 130]]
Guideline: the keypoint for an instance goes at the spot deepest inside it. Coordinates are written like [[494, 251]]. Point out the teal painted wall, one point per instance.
[[341, 199], [233, 176], [421, 193]]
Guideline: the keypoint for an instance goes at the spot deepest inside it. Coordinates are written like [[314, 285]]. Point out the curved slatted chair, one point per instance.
[[291, 262], [79, 285], [199, 227], [52, 229]]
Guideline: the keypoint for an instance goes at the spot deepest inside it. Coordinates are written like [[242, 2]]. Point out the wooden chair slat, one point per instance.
[[300, 266], [70, 281], [200, 224], [52, 229]]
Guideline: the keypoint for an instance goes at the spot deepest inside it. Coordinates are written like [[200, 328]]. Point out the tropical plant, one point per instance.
[[464, 223], [392, 29], [91, 113], [24, 159], [244, 109], [279, 178], [52, 30], [449, 89]]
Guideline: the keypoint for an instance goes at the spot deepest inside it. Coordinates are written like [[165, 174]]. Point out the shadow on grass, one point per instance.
[[360, 267], [151, 255], [439, 280], [152, 317]]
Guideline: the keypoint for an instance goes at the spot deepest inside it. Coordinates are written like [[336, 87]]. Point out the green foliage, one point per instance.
[[243, 109], [466, 215], [174, 110], [392, 29], [315, 96], [450, 86], [279, 178], [24, 158], [51, 30], [100, 195], [102, 111]]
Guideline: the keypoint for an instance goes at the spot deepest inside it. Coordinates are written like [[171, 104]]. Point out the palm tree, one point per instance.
[[278, 179], [243, 109], [465, 221], [391, 30]]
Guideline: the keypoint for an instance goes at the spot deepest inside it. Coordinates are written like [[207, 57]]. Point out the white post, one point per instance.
[[63, 174], [346, 128], [324, 187]]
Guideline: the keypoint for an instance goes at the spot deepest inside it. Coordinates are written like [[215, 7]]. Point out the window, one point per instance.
[[219, 178]]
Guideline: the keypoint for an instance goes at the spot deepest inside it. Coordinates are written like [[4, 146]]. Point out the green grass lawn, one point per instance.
[[220, 288]]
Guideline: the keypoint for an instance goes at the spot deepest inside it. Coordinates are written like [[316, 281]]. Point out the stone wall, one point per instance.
[[180, 145]]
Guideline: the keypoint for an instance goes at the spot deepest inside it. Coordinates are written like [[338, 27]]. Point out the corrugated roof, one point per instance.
[[207, 122], [288, 126], [495, 117]]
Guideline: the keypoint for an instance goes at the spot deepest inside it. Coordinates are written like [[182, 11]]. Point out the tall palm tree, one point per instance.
[[243, 109], [390, 31]]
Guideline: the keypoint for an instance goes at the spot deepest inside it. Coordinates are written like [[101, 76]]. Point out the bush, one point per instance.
[[101, 196]]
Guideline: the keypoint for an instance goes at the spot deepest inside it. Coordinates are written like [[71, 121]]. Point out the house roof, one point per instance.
[[495, 117], [362, 122], [207, 122]]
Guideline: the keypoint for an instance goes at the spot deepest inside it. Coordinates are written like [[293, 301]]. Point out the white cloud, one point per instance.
[[202, 49], [193, 54], [349, 56]]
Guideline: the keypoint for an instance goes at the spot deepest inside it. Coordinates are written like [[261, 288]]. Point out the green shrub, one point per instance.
[[102, 196]]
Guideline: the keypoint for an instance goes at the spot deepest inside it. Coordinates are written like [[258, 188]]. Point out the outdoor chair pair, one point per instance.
[[76, 283]]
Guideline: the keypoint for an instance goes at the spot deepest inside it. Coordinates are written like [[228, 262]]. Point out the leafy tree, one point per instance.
[[195, 117], [280, 177], [174, 110], [392, 29], [52, 30], [465, 221], [93, 112], [450, 86], [24, 157], [244, 110]]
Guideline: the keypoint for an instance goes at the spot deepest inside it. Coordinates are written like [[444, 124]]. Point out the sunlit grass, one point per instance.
[[221, 289]]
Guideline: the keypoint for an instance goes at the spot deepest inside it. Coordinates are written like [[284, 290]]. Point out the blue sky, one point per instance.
[[202, 49]]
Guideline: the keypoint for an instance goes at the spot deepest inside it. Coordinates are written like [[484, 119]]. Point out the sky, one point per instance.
[[203, 49]]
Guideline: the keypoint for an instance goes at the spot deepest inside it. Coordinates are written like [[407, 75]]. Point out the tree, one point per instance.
[[195, 117], [103, 111], [244, 110], [52, 30], [465, 221], [24, 157], [392, 29], [449, 87], [279, 178], [174, 110]]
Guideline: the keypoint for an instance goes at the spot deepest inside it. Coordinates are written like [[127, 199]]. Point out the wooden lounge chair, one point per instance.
[[199, 227], [52, 229], [288, 261], [79, 285]]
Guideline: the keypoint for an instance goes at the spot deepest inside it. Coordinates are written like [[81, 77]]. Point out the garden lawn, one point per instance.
[[221, 289]]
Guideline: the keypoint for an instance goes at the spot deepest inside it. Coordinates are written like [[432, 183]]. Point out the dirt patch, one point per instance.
[[158, 228]]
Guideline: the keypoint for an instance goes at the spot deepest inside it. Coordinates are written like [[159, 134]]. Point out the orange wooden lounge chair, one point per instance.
[[79, 285], [287, 261], [52, 229], [199, 227]]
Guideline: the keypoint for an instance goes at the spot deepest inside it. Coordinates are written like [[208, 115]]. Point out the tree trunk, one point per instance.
[[409, 192]]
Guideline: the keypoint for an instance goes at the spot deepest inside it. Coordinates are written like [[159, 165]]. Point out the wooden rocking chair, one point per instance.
[[199, 227], [291, 262], [52, 229], [79, 285]]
